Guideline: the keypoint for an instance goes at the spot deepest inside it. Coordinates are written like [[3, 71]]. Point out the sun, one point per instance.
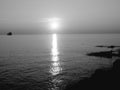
[[54, 23]]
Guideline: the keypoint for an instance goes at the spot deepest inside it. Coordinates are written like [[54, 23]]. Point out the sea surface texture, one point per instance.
[[50, 62]]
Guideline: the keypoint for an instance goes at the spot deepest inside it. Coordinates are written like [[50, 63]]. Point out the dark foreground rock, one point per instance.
[[101, 79]]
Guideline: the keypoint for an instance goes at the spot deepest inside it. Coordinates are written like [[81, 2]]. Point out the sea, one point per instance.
[[51, 61]]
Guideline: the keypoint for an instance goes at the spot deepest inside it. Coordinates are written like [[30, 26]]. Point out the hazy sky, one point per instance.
[[83, 16]]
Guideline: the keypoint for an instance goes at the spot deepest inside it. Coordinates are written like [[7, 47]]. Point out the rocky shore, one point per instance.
[[102, 78]]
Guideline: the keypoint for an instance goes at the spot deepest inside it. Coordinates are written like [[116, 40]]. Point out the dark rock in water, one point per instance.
[[111, 46], [9, 34], [104, 54]]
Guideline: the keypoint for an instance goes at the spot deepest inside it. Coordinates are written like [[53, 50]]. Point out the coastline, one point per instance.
[[107, 78]]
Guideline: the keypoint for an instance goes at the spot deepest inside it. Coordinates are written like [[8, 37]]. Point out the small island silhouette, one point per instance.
[[9, 33]]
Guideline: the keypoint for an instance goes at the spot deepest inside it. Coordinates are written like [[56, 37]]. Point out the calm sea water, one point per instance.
[[50, 62]]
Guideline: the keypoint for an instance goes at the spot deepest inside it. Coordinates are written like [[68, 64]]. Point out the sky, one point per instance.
[[75, 16]]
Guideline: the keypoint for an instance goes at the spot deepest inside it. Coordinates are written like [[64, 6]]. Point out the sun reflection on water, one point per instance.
[[55, 66]]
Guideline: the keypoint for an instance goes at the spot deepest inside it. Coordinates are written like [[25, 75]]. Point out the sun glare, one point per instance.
[[54, 23]]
